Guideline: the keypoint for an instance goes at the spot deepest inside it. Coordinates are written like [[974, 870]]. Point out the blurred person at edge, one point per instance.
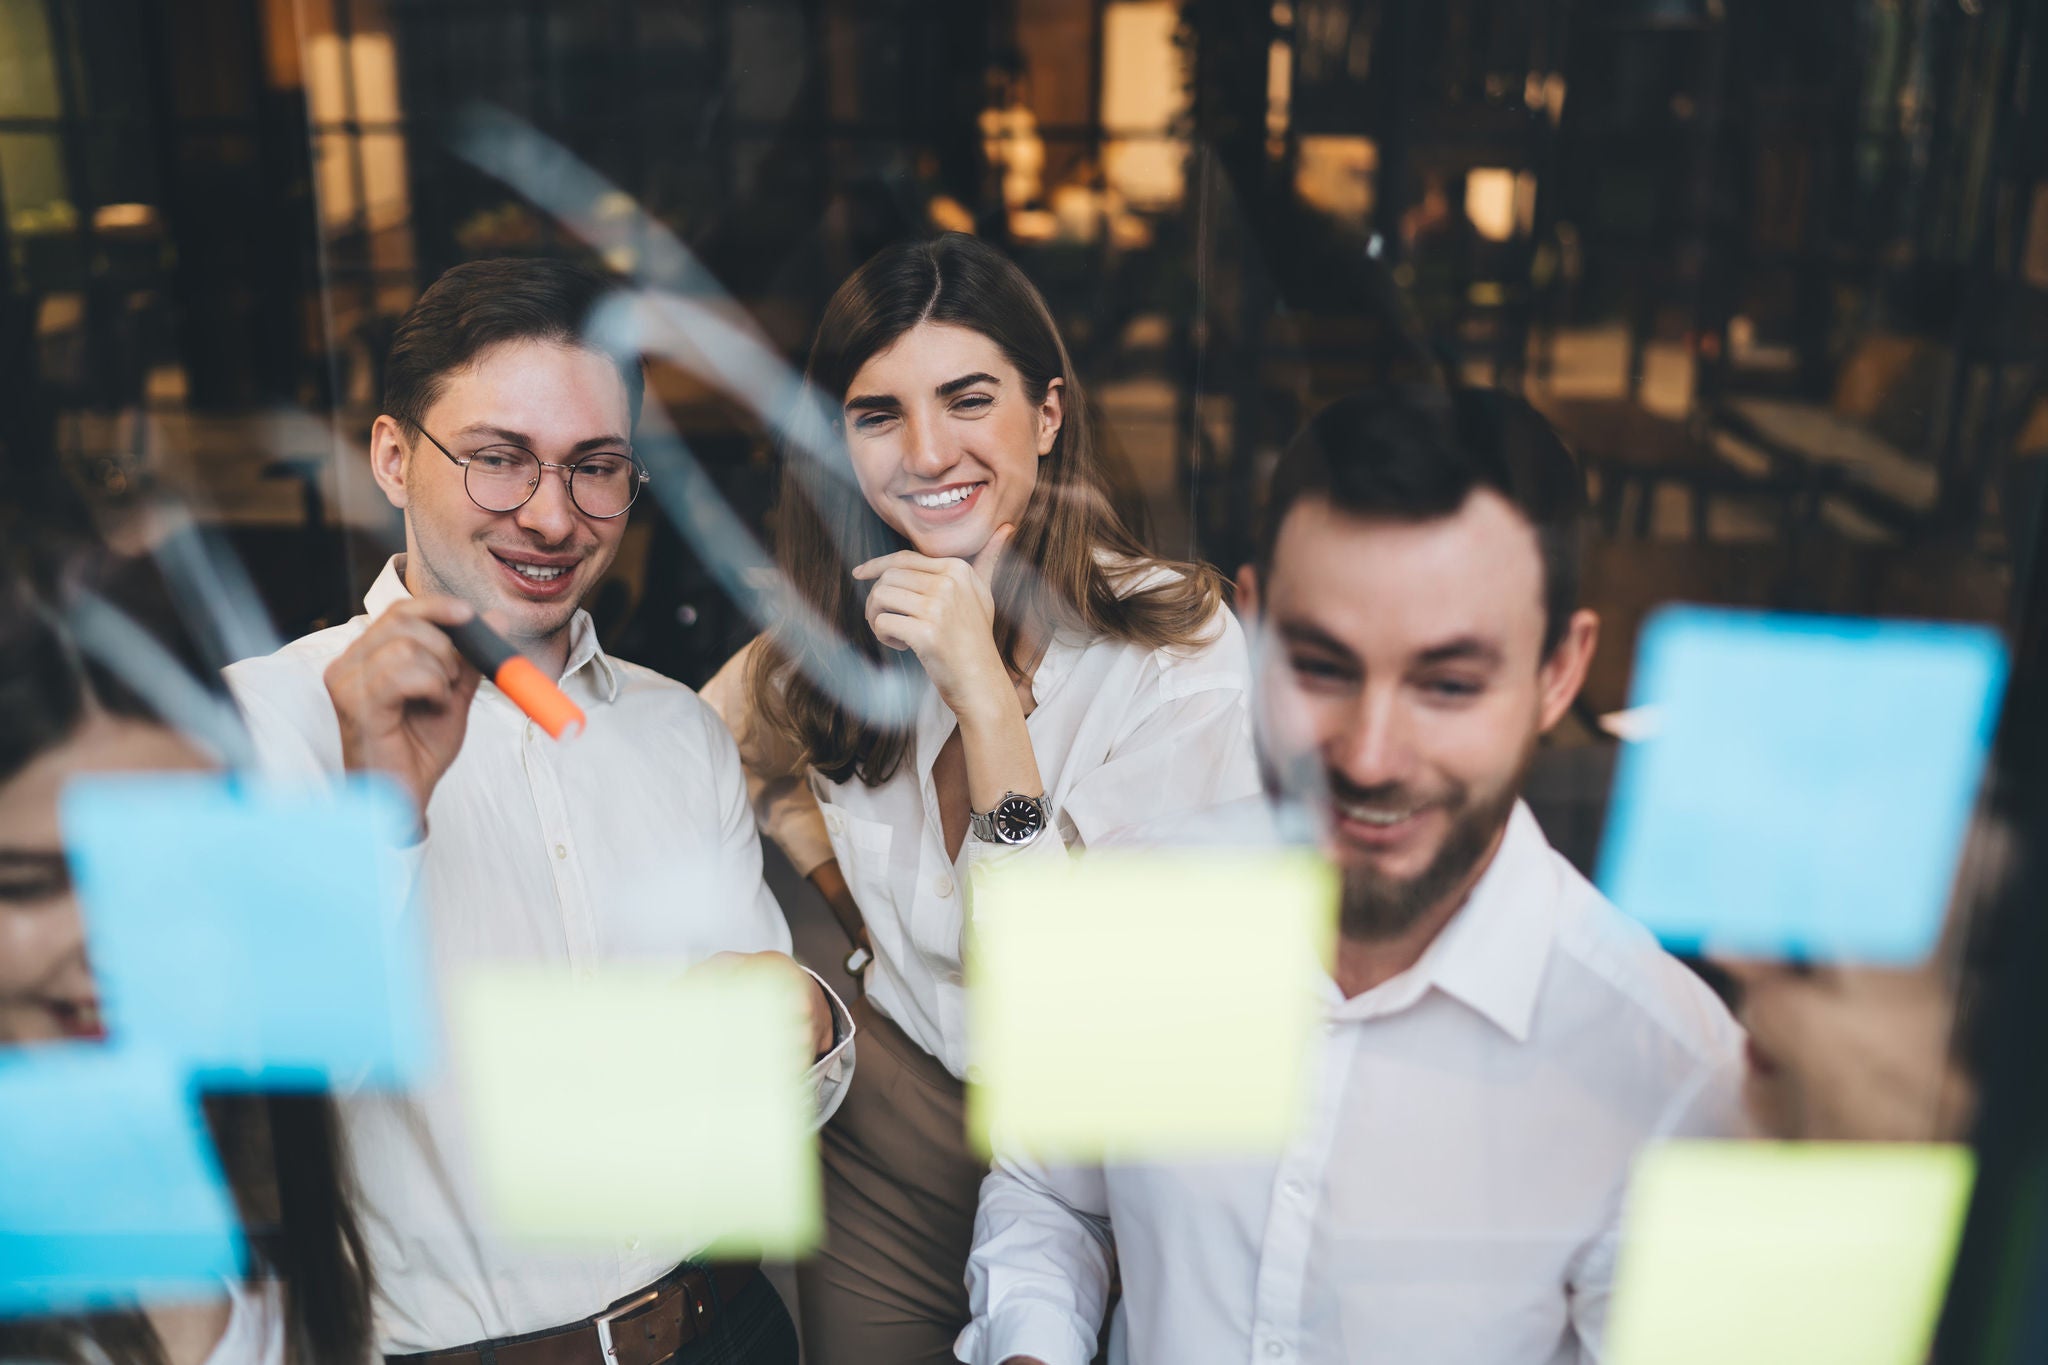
[[1066, 682], [1875, 1054], [306, 1298], [1499, 1040], [506, 440], [1853, 1053]]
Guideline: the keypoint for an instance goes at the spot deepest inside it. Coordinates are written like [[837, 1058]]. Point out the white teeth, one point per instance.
[[537, 573], [1367, 815], [944, 499]]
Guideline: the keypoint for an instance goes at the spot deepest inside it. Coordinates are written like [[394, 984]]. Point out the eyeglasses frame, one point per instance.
[[640, 476]]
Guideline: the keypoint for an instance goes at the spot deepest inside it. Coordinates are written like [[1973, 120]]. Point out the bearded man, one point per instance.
[[1499, 1040]]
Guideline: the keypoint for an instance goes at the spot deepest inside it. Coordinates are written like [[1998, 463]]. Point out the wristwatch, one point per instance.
[[1015, 820]]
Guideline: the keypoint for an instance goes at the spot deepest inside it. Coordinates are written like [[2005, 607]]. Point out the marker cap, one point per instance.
[[533, 693]]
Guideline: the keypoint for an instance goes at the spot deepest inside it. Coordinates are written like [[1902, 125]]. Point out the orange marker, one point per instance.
[[517, 678]]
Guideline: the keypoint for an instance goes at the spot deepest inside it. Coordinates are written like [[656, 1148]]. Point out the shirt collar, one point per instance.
[[1063, 647], [1065, 644], [935, 720], [1055, 662], [584, 650], [1492, 954]]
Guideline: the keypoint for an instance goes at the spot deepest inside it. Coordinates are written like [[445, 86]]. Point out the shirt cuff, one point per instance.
[[984, 855], [1038, 1330], [830, 1075], [400, 867], [985, 860]]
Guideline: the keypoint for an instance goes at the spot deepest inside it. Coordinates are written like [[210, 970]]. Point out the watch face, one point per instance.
[[1017, 818]]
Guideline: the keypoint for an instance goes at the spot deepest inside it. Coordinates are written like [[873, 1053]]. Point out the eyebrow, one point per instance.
[[31, 872], [525, 442], [1464, 649], [37, 858], [1299, 633], [966, 381], [889, 402]]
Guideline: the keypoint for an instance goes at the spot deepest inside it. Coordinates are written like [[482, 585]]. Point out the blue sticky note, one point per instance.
[[1806, 783], [252, 933], [110, 1192]]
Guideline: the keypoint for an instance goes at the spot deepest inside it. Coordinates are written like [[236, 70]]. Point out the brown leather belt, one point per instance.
[[644, 1328]]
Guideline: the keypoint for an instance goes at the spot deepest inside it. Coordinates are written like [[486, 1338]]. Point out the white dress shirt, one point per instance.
[[631, 843], [1121, 732], [1454, 1191]]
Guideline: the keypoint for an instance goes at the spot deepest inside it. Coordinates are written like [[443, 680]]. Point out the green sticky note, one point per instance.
[[1130, 1005], [642, 1104], [1779, 1253]]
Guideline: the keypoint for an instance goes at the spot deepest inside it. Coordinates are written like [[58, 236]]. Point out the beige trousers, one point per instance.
[[888, 1287]]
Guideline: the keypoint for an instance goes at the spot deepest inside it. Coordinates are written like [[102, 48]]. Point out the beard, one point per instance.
[[1375, 906]]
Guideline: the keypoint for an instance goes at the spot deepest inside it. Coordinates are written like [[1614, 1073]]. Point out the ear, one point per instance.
[[1052, 414], [1247, 595], [388, 459], [1564, 672]]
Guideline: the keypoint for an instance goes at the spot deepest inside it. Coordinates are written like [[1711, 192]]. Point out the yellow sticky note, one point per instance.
[[1132, 1005], [1778, 1253], [642, 1104]]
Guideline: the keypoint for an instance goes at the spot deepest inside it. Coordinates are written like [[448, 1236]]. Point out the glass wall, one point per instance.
[[1777, 273]]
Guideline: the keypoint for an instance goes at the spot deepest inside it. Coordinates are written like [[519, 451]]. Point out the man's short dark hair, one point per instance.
[[1416, 452], [481, 304]]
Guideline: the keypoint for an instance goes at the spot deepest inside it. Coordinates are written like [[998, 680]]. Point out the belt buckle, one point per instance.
[[603, 1322]]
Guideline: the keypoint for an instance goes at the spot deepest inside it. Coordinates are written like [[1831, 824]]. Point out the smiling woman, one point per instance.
[[961, 413], [1069, 684]]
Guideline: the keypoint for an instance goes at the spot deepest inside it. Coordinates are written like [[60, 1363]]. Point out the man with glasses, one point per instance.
[[507, 443]]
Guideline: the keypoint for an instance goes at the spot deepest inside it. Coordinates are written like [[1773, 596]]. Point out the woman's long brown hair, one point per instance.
[[1054, 574]]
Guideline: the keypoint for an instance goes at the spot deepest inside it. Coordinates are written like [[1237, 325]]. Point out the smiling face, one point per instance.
[[46, 987], [535, 564], [1408, 658], [944, 439]]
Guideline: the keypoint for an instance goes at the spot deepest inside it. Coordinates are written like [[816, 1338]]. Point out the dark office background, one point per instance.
[[1778, 270]]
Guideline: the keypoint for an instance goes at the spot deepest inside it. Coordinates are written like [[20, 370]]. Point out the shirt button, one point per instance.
[[943, 886], [1296, 1190], [1276, 1348], [832, 821], [529, 729], [561, 850]]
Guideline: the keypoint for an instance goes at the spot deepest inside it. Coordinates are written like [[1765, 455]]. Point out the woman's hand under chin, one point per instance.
[[944, 611]]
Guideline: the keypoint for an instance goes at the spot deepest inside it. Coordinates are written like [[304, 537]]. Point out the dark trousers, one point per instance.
[[754, 1329], [888, 1287]]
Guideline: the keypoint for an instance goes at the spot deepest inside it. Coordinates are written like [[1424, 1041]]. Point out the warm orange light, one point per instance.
[[1490, 202]]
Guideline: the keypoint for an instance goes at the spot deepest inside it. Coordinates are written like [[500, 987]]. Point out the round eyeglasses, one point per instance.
[[504, 478]]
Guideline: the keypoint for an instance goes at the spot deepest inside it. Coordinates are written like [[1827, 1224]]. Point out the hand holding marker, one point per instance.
[[518, 678]]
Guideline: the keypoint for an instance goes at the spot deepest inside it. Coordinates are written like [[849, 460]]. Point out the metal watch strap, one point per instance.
[[982, 824]]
